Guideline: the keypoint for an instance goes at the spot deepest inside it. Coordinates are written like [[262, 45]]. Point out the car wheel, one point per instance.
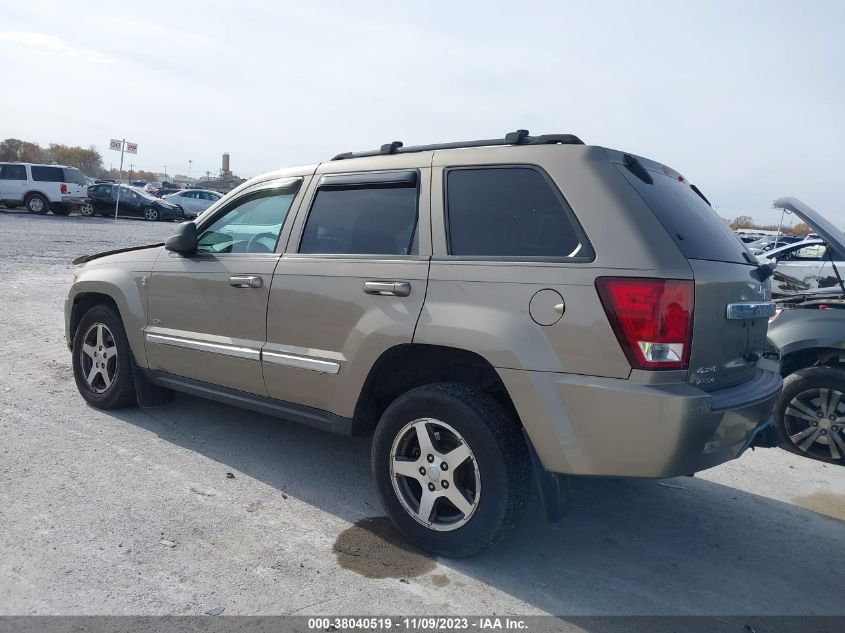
[[102, 360], [151, 214], [86, 209], [810, 413], [451, 467], [37, 204]]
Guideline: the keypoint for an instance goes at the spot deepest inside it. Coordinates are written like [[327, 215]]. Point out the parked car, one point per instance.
[[805, 266], [771, 242], [43, 188], [133, 202], [808, 333], [138, 183], [485, 310], [193, 201]]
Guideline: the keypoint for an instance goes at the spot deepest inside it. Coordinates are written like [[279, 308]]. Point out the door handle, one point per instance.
[[388, 288], [245, 281]]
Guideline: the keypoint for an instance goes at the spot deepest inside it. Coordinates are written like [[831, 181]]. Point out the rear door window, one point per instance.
[[509, 212], [369, 219], [47, 174], [12, 172], [694, 226]]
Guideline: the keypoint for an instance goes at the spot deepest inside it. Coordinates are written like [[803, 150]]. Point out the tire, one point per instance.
[[151, 214], [100, 330], [37, 204], [810, 414], [61, 211], [86, 209], [494, 475]]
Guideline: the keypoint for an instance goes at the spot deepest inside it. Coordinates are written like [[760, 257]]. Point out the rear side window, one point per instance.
[[48, 174], [12, 172], [509, 212], [362, 220], [696, 228]]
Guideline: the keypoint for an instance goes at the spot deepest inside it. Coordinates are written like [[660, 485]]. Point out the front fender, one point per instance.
[[796, 330], [127, 288]]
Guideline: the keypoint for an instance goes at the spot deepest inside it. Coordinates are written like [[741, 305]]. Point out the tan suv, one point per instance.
[[484, 309]]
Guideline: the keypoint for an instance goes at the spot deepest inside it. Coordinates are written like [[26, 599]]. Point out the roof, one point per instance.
[[519, 137]]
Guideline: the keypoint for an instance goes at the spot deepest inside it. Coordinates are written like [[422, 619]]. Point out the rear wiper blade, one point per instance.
[[703, 197]]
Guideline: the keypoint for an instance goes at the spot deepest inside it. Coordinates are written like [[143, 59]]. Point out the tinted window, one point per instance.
[[74, 175], [507, 212], [368, 220], [48, 174], [12, 172], [696, 228], [253, 225]]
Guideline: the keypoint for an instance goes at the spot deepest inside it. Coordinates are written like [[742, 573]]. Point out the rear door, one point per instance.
[[724, 350], [207, 310], [351, 285]]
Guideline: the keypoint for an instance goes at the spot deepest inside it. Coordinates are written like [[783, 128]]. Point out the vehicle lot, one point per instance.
[[133, 512]]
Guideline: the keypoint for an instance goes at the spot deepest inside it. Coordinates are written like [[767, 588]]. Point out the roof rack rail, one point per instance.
[[519, 137]]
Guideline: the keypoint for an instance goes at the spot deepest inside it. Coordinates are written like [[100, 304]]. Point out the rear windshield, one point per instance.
[[696, 228], [74, 175]]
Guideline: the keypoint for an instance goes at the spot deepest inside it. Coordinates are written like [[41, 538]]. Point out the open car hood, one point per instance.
[[815, 221]]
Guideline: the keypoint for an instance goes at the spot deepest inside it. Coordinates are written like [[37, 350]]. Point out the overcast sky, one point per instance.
[[746, 99]]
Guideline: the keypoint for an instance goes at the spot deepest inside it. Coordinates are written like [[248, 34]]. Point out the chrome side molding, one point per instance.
[[205, 346], [751, 310], [301, 362]]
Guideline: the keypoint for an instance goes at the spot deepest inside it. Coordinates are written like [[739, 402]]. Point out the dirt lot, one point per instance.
[[135, 512]]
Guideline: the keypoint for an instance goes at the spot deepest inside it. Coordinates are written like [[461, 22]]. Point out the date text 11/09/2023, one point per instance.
[[482, 623]]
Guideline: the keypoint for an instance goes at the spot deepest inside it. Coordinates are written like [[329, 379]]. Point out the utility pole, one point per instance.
[[165, 172], [190, 164]]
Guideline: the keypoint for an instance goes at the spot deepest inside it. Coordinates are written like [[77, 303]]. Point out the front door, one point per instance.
[[207, 311], [12, 182], [351, 285]]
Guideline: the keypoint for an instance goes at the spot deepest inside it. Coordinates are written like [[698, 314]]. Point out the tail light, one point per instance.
[[652, 318], [64, 189]]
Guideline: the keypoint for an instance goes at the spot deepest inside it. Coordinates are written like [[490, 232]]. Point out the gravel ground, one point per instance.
[[197, 506]]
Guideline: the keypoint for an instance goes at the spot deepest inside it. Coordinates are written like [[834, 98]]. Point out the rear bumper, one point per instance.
[[584, 425], [74, 201]]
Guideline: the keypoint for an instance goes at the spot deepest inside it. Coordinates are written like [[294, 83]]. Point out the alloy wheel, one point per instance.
[[435, 474], [815, 422], [98, 358], [36, 205], [87, 209], [150, 214]]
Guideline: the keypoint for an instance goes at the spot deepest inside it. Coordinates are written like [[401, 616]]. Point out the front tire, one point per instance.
[[102, 360], [451, 467], [86, 209], [151, 214], [37, 204], [810, 413]]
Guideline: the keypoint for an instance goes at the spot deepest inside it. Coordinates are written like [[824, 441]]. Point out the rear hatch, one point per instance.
[[724, 350]]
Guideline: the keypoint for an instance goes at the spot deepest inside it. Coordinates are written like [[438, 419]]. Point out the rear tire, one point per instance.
[[37, 204], [476, 450], [810, 414], [102, 360]]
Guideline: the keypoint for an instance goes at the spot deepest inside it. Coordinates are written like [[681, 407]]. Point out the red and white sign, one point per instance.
[[132, 148], [116, 144]]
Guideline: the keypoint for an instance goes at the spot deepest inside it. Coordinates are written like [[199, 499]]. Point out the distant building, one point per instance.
[[223, 183]]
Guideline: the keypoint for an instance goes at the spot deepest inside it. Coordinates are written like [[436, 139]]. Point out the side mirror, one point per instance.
[[184, 240]]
